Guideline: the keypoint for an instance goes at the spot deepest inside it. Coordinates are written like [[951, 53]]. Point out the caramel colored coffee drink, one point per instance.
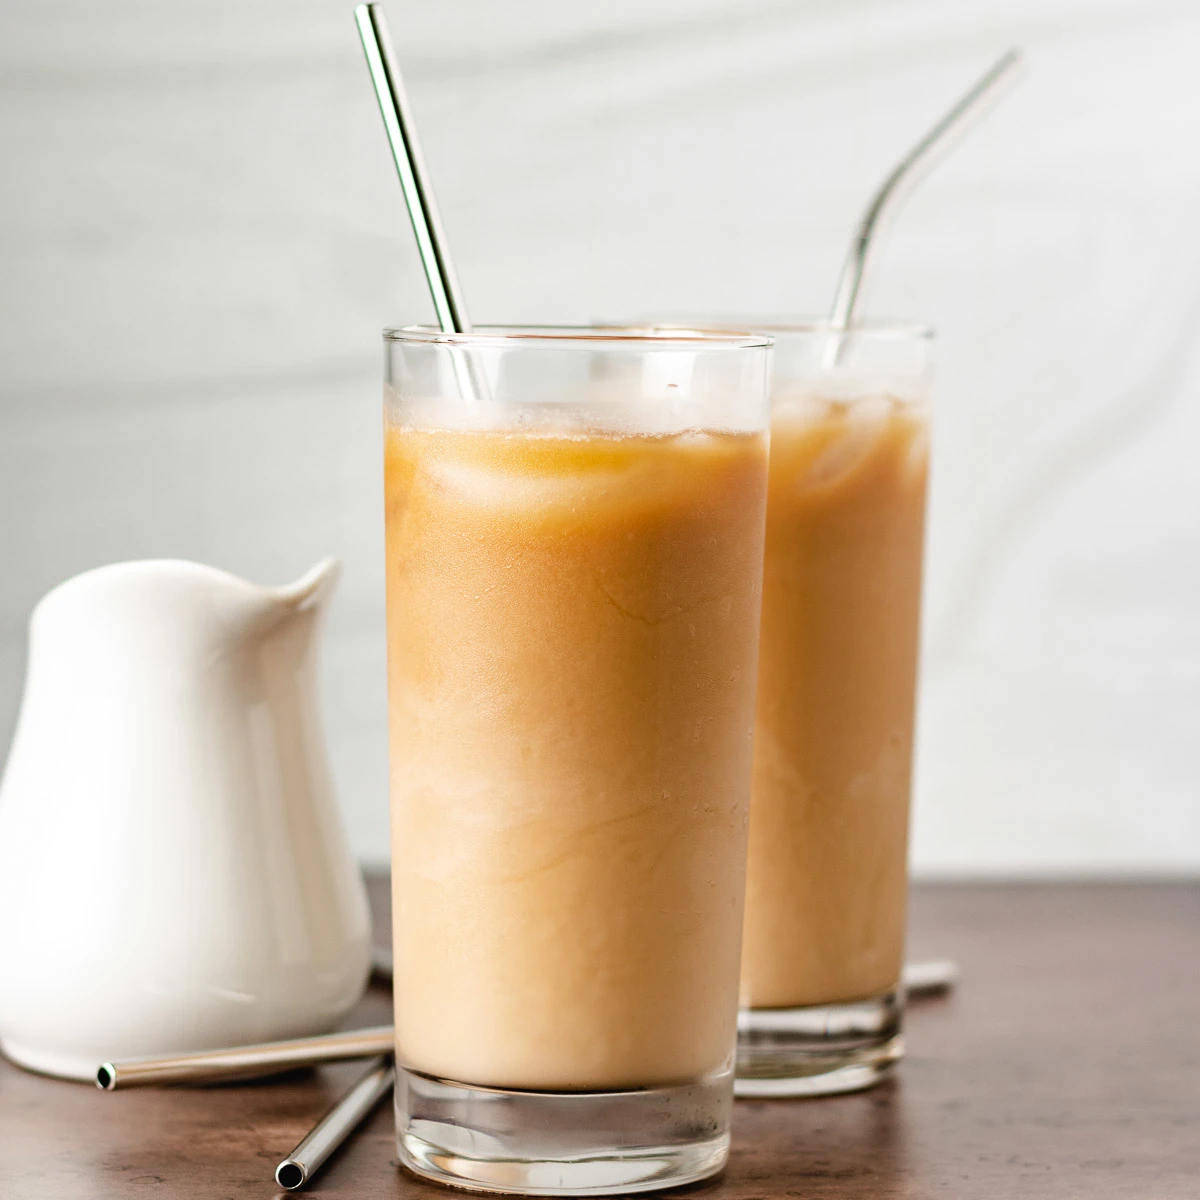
[[825, 903], [573, 632]]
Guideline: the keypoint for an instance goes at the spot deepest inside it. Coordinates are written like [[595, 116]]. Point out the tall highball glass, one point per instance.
[[575, 524], [827, 881]]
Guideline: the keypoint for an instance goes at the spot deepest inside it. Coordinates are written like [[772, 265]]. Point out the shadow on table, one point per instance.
[[843, 1146]]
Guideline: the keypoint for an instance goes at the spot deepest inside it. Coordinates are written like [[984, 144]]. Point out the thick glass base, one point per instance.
[[818, 1050], [562, 1143]]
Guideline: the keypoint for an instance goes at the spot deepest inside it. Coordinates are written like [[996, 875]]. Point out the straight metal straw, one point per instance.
[[929, 978], [336, 1126], [205, 1066], [905, 173], [410, 165]]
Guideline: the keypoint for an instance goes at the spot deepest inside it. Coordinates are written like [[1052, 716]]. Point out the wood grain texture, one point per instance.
[[1067, 1064]]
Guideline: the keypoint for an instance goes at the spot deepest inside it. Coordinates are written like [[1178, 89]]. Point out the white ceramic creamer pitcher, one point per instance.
[[173, 874]]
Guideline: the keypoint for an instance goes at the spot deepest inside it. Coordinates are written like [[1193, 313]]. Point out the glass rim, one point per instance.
[[594, 337], [883, 328]]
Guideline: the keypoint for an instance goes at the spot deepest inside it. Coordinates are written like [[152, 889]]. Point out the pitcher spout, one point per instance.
[[313, 589]]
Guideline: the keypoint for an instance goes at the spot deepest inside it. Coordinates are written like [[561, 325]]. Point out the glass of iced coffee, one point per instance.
[[575, 524], [827, 878]]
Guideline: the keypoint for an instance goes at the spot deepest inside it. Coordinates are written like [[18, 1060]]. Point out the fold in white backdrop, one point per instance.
[[201, 237]]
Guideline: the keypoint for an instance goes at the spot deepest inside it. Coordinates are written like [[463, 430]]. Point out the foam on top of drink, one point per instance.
[[554, 472]]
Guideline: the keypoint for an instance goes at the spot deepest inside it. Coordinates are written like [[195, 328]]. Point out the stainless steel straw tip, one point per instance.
[[106, 1077], [931, 978], [332, 1130], [290, 1175]]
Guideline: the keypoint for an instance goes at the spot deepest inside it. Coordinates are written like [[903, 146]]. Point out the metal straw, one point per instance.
[[336, 1126], [929, 978], [410, 165], [906, 172], [239, 1062]]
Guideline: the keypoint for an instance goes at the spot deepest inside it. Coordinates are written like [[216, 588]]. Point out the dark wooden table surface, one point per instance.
[[1066, 1065]]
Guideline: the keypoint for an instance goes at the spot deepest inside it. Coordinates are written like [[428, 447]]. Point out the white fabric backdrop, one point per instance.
[[200, 238]]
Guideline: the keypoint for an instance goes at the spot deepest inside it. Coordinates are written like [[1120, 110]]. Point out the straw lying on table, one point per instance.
[[242, 1062], [336, 1126]]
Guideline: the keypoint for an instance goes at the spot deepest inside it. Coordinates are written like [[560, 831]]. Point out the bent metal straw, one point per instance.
[[903, 175]]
